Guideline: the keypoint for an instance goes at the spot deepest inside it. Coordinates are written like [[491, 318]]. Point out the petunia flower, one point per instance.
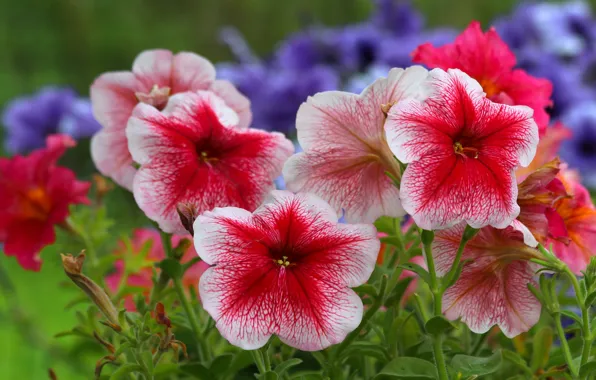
[[193, 152], [536, 197], [576, 217], [486, 58], [493, 287], [462, 150], [285, 269], [29, 120], [580, 149], [139, 273], [345, 151], [155, 76], [35, 195]]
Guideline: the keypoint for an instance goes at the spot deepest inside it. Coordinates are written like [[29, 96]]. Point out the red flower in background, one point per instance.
[[142, 275], [487, 58], [573, 222], [35, 194]]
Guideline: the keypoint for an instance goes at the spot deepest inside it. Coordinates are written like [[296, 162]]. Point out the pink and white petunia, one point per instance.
[[462, 150], [346, 155], [155, 76], [193, 153], [285, 269], [493, 287]]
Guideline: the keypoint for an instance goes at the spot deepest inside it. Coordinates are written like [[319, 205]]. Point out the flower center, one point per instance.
[[283, 261], [35, 204], [158, 97], [489, 87], [206, 156], [467, 151]]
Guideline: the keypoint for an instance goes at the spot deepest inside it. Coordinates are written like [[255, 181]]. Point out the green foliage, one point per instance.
[[468, 366]]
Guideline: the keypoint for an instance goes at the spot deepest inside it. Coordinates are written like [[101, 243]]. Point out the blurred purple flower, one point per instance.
[[580, 150], [396, 51], [359, 46], [303, 50], [276, 93], [563, 29], [29, 119], [397, 17]]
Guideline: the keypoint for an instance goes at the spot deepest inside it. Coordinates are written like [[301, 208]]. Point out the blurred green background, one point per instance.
[[70, 42]]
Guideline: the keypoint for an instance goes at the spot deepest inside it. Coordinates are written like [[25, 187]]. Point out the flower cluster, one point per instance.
[[30, 120]]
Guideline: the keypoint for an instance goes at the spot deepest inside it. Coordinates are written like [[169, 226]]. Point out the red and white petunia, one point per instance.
[[487, 58], [193, 153], [155, 76], [346, 156], [462, 150], [285, 269], [493, 287]]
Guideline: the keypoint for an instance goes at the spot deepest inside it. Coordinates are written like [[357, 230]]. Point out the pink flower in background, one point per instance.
[[193, 153], [462, 150], [575, 217], [155, 76], [346, 156], [35, 196], [536, 197], [142, 273], [286, 269], [493, 286], [487, 58]]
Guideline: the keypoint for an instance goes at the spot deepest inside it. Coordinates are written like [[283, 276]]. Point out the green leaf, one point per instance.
[[398, 292], [392, 240], [166, 369], [269, 375], [587, 369], [124, 370], [221, 364], [438, 325], [122, 348], [359, 349], [385, 224], [284, 366], [541, 344], [590, 299], [407, 368], [198, 371], [421, 272], [172, 267], [366, 289], [148, 360], [476, 366], [514, 358]]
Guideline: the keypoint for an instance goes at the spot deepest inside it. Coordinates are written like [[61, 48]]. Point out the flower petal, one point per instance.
[[109, 150], [234, 99], [191, 72], [153, 67], [113, 98]]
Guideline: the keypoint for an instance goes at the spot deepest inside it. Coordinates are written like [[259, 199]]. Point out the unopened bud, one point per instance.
[[160, 315], [102, 187], [188, 214], [52, 374], [73, 268], [590, 274]]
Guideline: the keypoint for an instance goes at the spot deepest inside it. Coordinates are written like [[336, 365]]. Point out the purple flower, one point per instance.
[[276, 92], [397, 17], [28, 120], [359, 46], [313, 47], [562, 29], [580, 150]]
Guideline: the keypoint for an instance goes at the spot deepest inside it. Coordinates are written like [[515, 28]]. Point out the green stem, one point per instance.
[[367, 316], [440, 357], [266, 358], [258, 359], [586, 330], [564, 344], [478, 344], [192, 318], [437, 298]]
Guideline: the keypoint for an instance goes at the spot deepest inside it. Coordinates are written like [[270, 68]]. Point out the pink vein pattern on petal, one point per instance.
[[462, 151], [284, 270]]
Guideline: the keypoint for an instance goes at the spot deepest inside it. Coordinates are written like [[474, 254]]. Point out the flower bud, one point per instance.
[[187, 213], [73, 268], [102, 187], [590, 274]]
